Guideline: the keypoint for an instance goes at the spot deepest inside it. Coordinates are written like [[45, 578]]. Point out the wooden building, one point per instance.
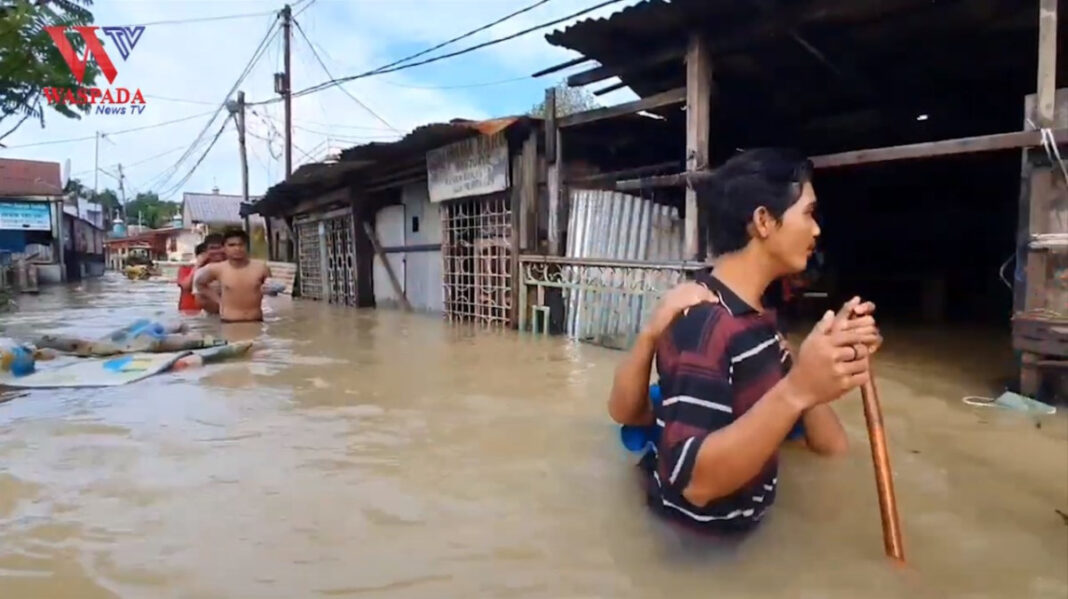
[[430, 222], [914, 112]]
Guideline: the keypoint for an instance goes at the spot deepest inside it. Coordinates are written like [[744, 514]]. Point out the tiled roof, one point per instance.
[[216, 209], [29, 178]]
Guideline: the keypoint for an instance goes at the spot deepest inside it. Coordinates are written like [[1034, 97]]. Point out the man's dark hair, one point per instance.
[[238, 233], [199, 249], [768, 177], [213, 239]]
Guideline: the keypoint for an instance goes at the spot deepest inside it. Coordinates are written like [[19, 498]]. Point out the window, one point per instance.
[[415, 224]]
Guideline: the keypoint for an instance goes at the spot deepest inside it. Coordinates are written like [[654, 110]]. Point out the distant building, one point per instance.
[[33, 217], [215, 212]]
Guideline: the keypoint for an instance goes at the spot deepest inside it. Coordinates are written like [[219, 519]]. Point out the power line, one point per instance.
[[468, 34], [386, 69], [256, 55], [174, 188], [458, 86], [342, 88], [180, 100], [340, 126], [206, 19], [111, 133], [338, 136]]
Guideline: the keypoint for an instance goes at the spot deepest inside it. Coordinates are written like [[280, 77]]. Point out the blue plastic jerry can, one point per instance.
[[638, 438]]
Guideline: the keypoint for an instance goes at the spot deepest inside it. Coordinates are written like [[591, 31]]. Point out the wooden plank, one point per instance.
[[516, 241], [1047, 63], [611, 176], [966, 145], [550, 125], [557, 203], [603, 72], [672, 96], [563, 65], [698, 107], [951, 147], [610, 88], [529, 193]]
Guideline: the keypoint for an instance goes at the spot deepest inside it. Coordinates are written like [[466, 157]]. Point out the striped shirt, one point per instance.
[[715, 362]]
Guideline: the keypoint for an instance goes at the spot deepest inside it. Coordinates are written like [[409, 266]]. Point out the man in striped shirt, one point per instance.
[[731, 391]]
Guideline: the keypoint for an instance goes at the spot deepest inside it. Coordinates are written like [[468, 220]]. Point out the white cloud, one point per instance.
[[200, 61]]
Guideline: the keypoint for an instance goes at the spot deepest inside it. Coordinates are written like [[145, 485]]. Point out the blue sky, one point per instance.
[[186, 69]]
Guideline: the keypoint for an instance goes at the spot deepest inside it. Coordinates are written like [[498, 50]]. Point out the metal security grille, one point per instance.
[[476, 249], [310, 260], [340, 261]]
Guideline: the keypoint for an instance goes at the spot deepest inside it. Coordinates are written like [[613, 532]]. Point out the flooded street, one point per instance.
[[378, 454]]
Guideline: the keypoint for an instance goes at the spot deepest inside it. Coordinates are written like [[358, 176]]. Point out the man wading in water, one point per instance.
[[208, 252], [241, 281], [730, 391]]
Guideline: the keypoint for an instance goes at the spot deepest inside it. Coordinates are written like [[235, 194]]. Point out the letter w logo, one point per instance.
[[92, 46]]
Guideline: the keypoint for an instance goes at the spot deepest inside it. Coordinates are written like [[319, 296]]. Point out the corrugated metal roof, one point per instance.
[[29, 178], [428, 137], [312, 179], [216, 208]]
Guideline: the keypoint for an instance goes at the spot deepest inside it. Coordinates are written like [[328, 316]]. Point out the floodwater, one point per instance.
[[376, 454]]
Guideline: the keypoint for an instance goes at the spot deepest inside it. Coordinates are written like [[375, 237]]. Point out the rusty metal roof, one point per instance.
[[428, 137], [29, 178]]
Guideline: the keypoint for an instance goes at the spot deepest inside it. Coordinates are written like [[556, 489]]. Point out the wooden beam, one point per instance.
[[603, 72], [1045, 101], [627, 172], [698, 107], [563, 65], [610, 88], [951, 147], [377, 246], [672, 96]]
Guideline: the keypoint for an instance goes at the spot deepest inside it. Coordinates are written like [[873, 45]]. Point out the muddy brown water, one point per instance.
[[378, 454]]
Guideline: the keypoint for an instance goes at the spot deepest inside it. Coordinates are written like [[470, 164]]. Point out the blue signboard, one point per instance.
[[25, 216]]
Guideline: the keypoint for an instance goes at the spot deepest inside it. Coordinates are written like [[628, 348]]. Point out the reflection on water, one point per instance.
[[377, 454]]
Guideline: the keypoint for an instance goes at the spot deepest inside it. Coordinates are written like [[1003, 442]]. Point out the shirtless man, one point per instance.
[[241, 280]]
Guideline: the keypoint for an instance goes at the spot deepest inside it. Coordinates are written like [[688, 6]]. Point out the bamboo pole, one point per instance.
[[884, 475]]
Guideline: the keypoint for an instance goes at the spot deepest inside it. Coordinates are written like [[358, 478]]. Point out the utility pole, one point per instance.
[[96, 166], [122, 192], [287, 30], [238, 110]]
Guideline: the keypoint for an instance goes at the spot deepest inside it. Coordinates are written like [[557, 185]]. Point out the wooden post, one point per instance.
[[269, 235], [1046, 88], [1041, 185], [698, 107], [525, 237], [554, 178]]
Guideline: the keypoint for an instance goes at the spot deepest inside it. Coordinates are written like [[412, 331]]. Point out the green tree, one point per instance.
[[30, 61], [149, 210], [109, 200], [569, 100]]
